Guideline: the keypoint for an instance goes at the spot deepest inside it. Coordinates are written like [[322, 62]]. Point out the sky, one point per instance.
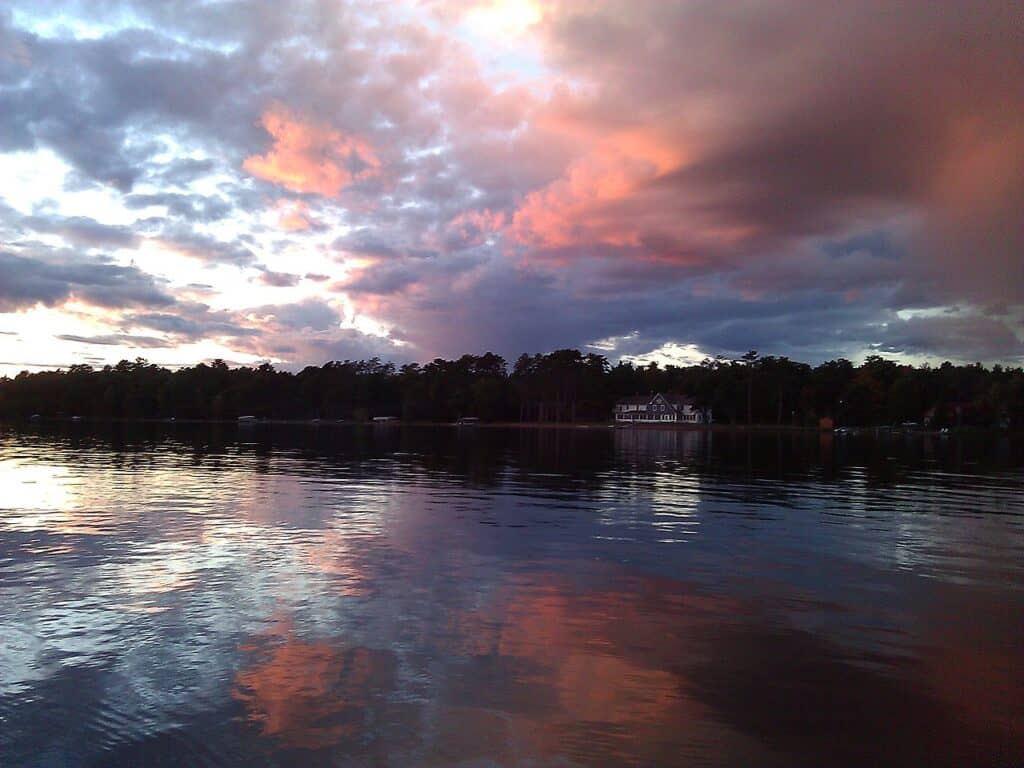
[[297, 181]]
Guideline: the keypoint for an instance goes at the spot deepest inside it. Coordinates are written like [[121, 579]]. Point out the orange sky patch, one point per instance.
[[574, 209], [308, 157]]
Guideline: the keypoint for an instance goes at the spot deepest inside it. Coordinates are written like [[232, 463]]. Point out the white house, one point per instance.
[[659, 407]]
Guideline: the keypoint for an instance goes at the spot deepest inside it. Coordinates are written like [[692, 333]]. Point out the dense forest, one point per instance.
[[562, 386]]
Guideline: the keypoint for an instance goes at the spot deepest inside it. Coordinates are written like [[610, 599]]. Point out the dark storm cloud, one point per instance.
[[508, 310], [853, 183], [816, 116], [26, 282], [784, 176]]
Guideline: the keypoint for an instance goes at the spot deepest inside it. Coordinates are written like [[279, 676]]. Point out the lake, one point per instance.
[[395, 596]]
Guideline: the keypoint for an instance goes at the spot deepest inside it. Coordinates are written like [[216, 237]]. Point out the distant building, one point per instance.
[[660, 408]]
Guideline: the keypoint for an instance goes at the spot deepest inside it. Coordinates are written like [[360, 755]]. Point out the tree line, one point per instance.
[[561, 386]]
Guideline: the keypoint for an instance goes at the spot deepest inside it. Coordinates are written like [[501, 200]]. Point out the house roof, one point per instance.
[[676, 400]]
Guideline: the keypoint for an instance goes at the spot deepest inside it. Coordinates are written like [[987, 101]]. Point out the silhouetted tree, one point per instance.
[[563, 385]]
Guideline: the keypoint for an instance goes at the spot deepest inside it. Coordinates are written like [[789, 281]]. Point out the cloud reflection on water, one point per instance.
[[430, 598], [311, 695]]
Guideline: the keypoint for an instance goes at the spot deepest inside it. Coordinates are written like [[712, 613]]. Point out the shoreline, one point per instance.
[[589, 425]]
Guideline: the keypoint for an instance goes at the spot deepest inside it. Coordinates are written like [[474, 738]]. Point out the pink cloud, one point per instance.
[[311, 157]]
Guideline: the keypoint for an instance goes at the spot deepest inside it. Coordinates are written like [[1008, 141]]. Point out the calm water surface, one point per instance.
[[342, 596]]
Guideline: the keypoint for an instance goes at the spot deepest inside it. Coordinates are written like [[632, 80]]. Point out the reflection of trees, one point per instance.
[[311, 695], [567, 460]]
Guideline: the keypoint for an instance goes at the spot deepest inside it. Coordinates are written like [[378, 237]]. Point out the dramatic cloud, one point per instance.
[[420, 178]]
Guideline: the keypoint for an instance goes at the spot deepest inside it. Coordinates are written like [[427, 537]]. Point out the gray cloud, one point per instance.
[[301, 333], [26, 282], [279, 279], [967, 338], [87, 99], [197, 245], [118, 340], [81, 231], [191, 207], [192, 321], [313, 314], [382, 280]]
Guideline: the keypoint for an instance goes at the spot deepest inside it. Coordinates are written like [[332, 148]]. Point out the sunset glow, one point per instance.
[[329, 180]]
